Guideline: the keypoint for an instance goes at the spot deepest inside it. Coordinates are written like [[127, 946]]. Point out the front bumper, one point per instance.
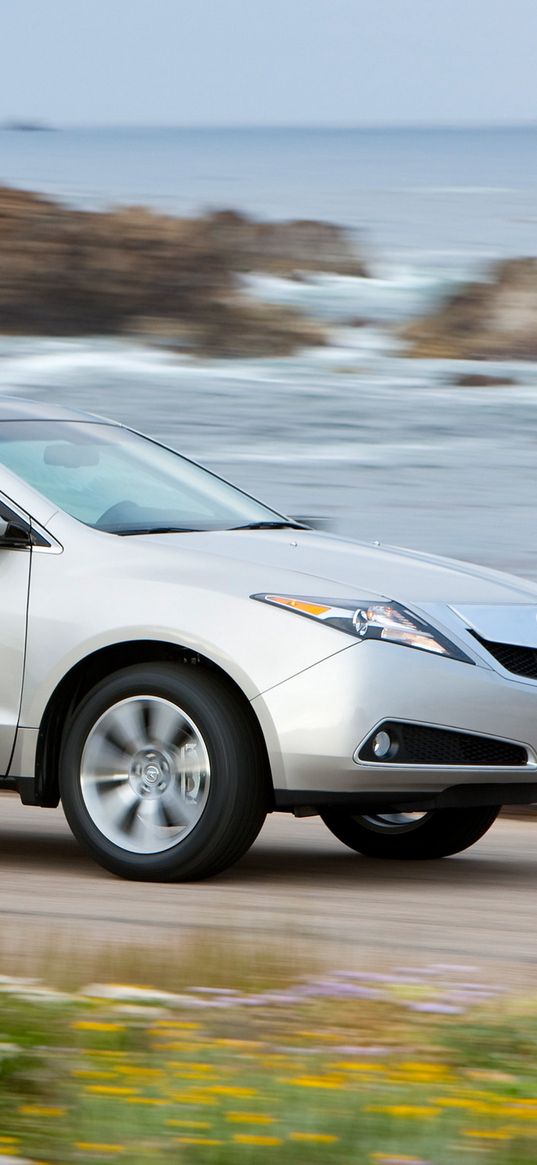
[[314, 723]]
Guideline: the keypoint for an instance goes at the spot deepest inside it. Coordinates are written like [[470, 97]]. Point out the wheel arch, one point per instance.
[[98, 665]]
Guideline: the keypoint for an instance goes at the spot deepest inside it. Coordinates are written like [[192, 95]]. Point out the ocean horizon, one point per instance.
[[407, 191], [384, 446]]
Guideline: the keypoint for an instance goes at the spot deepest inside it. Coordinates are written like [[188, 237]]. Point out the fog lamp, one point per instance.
[[384, 746]]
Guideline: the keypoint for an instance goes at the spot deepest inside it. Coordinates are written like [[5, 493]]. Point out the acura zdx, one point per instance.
[[178, 659]]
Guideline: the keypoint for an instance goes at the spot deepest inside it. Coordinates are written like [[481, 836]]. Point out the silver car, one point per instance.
[[177, 660]]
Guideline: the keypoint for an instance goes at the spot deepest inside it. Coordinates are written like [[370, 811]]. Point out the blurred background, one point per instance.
[[297, 242]]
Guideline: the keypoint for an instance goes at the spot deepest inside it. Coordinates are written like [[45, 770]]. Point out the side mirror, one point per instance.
[[14, 534]]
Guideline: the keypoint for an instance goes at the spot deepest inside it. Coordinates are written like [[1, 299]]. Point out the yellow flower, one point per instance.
[[472, 1106], [522, 1113], [99, 1147], [461, 1102], [192, 1097], [256, 1139], [249, 1118], [388, 1159], [91, 1025], [145, 1100], [314, 1138], [201, 1077], [489, 1134], [197, 1141], [40, 1110], [316, 1081], [110, 1090]]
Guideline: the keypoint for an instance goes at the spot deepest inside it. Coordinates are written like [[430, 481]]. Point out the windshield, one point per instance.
[[114, 480]]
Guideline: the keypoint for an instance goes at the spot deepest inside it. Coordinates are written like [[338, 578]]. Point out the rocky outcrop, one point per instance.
[[493, 320], [478, 380], [72, 272], [285, 248]]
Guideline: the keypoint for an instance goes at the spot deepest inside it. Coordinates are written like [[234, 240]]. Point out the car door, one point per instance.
[[15, 558]]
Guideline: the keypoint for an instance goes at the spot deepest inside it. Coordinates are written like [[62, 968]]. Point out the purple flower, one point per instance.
[[458, 968], [434, 1008], [215, 990]]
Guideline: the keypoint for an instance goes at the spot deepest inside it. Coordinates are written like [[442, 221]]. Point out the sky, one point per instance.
[[276, 62]]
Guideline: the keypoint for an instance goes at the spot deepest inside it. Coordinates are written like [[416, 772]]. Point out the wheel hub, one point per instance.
[[145, 774], [150, 772]]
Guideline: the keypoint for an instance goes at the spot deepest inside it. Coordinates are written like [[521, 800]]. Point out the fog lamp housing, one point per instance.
[[384, 746]]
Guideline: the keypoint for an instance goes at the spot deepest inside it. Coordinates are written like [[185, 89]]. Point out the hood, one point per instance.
[[325, 565]]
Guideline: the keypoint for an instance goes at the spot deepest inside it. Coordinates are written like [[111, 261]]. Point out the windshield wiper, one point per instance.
[[156, 530], [282, 525]]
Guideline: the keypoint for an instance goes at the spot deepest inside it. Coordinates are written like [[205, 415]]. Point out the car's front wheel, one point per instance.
[[407, 836], [161, 777]]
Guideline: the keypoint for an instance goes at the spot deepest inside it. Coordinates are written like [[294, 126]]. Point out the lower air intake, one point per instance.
[[416, 744]]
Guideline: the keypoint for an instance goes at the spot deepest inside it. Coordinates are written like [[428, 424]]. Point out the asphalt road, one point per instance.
[[298, 889]]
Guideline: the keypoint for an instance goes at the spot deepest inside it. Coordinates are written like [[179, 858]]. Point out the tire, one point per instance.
[[408, 837], [161, 778]]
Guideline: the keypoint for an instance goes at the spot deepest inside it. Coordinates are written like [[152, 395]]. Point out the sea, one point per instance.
[[356, 435]]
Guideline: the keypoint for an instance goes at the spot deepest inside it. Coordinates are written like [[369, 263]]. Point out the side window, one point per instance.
[[15, 530]]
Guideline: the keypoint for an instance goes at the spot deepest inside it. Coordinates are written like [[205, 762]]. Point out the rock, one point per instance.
[[65, 272], [359, 322], [493, 320], [70, 272], [285, 248], [478, 380], [234, 327]]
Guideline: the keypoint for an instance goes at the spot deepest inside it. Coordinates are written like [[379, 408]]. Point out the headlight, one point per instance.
[[375, 620]]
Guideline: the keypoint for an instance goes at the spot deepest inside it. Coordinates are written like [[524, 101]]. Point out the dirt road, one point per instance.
[[298, 887]]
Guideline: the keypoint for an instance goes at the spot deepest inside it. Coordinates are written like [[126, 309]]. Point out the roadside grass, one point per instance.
[[208, 958], [420, 1065]]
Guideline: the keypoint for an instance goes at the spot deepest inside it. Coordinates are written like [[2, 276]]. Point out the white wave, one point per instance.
[[391, 453], [394, 291], [35, 361]]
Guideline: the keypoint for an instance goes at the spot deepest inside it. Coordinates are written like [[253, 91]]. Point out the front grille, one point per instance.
[[520, 660], [417, 744]]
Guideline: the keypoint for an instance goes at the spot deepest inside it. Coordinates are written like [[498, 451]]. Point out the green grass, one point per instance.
[[309, 1074]]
